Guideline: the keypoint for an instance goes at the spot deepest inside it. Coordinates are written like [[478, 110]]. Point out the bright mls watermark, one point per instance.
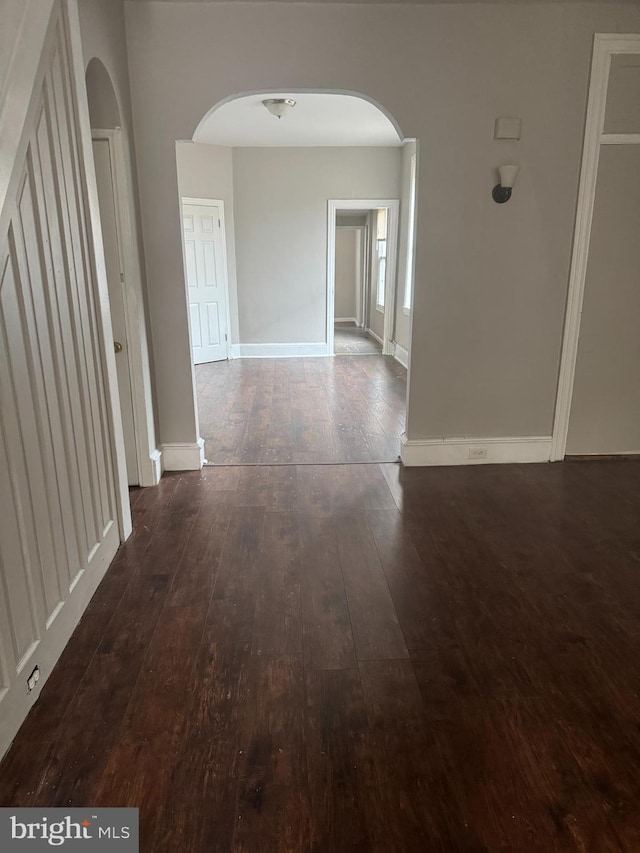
[[26, 830]]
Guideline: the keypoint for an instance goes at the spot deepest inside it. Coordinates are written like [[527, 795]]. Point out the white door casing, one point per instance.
[[206, 278], [148, 455], [102, 158], [63, 497], [604, 47]]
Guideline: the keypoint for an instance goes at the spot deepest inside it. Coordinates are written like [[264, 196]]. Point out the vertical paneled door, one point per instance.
[[206, 277], [58, 512]]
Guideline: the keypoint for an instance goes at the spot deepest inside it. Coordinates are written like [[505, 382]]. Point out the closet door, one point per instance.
[[58, 514]]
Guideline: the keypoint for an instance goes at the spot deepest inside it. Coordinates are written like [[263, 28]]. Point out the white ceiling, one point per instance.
[[318, 120]]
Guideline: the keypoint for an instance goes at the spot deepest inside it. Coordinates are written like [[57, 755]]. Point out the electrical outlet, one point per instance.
[[33, 679], [477, 453]]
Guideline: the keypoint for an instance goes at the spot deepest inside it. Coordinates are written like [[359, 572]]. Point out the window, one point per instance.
[[408, 282], [381, 255]]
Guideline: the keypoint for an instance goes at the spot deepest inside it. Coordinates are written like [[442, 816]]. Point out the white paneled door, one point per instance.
[[58, 502], [102, 158], [205, 271]]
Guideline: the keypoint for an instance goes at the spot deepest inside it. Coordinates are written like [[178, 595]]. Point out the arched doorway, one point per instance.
[[276, 180], [112, 170]]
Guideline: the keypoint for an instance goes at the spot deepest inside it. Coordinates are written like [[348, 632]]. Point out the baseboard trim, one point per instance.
[[620, 455], [401, 354], [278, 350], [373, 335], [346, 320], [183, 457], [455, 451], [151, 469]]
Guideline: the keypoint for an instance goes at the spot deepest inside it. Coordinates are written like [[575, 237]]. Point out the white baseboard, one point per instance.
[[183, 457], [373, 335], [346, 320], [456, 451], [151, 469], [401, 354], [604, 455], [278, 350]]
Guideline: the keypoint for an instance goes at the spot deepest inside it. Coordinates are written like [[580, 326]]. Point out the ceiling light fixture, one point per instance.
[[279, 106]]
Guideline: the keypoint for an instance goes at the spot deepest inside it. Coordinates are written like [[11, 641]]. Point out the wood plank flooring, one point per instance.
[[349, 339], [358, 657], [350, 408]]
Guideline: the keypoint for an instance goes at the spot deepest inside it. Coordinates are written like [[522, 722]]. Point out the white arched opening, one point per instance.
[[281, 284], [111, 157]]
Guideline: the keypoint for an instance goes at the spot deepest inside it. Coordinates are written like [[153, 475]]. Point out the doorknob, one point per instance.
[[117, 346]]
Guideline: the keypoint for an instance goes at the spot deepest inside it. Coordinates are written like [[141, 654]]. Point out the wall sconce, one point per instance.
[[279, 106], [502, 191]]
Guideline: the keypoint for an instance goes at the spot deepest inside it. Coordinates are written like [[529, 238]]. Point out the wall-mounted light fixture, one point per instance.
[[279, 106], [502, 191]]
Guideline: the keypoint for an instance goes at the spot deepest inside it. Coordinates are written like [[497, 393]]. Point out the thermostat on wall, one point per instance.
[[507, 128]]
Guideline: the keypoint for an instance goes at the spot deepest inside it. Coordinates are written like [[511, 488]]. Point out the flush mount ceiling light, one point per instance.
[[279, 106]]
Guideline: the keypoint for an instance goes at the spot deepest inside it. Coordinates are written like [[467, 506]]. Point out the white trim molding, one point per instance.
[[347, 320], [604, 47], [179, 456], [278, 350], [153, 472], [375, 337], [474, 451], [401, 354]]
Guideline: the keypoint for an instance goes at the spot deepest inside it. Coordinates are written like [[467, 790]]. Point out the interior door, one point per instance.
[[106, 196], [203, 232], [58, 506]]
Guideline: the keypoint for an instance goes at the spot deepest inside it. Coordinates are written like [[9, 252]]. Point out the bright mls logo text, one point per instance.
[[29, 830], [57, 832]]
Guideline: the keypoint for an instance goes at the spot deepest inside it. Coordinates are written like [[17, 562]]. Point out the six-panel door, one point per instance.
[[206, 285]]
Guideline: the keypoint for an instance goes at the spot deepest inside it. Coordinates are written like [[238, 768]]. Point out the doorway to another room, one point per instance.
[[311, 245], [111, 156], [363, 280]]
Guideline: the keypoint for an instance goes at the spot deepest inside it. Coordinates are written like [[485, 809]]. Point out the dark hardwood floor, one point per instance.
[[350, 408], [358, 657]]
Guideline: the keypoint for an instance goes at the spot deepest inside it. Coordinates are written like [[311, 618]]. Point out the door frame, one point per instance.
[[393, 206], [148, 457], [209, 202], [604, 47], [360, 306]]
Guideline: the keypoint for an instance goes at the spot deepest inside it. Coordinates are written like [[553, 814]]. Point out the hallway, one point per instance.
[[302, 410], [339, 658]]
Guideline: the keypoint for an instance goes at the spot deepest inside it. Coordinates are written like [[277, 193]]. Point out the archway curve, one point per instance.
[[253, 97], [299, 91], [104, 109]]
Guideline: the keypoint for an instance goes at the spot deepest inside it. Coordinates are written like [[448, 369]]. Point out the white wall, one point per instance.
[[281, 231], [491, 280], [605, 409], [206, 171], [348, 272]]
